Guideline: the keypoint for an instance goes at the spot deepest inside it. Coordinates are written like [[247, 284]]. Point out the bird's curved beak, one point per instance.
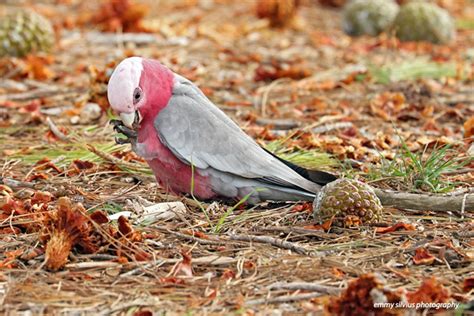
[[130, 120]]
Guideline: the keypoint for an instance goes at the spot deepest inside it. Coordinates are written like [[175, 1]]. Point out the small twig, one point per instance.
[[184, 199], [459, 171], [100, 38], [299, 231], [55, 130], [279, 124], [112, 159], [93, 265], [42, 91], [15, 183], [283, 299], [196, 239], [463, 205], [266, 93], [272, 241], [431, 202], [332, 126], [142, 268], [305, 286], [29, 95]]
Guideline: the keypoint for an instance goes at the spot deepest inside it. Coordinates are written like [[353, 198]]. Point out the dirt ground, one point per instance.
[[348, 101]]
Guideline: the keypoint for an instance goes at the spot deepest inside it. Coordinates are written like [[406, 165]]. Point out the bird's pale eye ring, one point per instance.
[[137, 95]]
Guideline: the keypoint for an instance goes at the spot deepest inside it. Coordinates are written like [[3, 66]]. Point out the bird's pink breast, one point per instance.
[[170, 172]]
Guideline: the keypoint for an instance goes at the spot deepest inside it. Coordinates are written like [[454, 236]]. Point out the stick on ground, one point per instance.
[[283, 299], [305, 286], [272, 241], [432, 202]]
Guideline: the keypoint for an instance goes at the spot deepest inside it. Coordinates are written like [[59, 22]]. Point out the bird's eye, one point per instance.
[[137, 95]]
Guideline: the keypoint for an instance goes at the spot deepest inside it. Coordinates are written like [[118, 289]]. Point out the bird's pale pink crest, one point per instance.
[[122, 83], [154, 79]]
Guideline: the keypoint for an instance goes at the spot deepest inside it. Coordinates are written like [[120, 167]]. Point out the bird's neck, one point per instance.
[[157, 80]]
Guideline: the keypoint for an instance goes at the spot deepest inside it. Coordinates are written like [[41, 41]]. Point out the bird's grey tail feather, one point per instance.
[[316, 176]]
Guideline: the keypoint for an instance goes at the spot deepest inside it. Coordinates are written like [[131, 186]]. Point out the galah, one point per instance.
[[192, 146]]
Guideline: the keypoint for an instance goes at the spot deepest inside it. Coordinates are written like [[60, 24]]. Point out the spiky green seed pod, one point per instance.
[[23, 32], [424, 21], [368, 17], [347, 199]]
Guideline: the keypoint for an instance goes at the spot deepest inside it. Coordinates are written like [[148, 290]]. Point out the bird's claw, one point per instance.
[[122, 129], [115, 122], [121, 141]]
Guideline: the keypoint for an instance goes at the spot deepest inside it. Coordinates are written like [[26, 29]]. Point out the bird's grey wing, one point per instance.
[[199, 133]]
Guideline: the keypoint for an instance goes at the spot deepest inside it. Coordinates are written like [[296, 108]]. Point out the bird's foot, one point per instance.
[[131, 135]]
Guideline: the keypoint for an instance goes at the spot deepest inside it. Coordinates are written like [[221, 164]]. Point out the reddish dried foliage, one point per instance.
[[430, 291], [78, 166], [393, 228], [357, 298], [468, 284], [98, 79], [279, 12], [332, 3], [423, 256], [100, 217], [127, 237], [184, 268], [64, 229], [276, 70], [45, 164], [120, 15], [324, 226], [469, 127], [36, 67]]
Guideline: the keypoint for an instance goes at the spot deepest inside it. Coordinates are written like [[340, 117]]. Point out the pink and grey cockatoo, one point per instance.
[[192, 146]]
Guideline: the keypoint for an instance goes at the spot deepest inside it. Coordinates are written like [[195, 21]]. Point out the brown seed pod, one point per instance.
[[346, 200]]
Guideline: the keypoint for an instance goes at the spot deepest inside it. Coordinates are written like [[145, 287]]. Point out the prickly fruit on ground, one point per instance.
[[368, 17], [23, 32], [424, 21], [349, 202]]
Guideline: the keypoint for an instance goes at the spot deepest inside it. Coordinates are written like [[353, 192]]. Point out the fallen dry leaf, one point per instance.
[[10, 258], [172, 280], [228, 274], [393, 228], [64, 229], [278, 12], [358, 298], [8, 230], [338, 273], [100, 217], [468, 284], [127, 231], [469, 127], [332, 3], [276, 71], [36, 67], [120, 15], [196, 233], [184, 268], [388, 105], [324, 226], [430, 291], [143, 313], [45, 163], [423, 256]]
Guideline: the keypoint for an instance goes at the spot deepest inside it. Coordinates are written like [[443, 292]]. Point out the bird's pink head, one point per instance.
[[139, 89]]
